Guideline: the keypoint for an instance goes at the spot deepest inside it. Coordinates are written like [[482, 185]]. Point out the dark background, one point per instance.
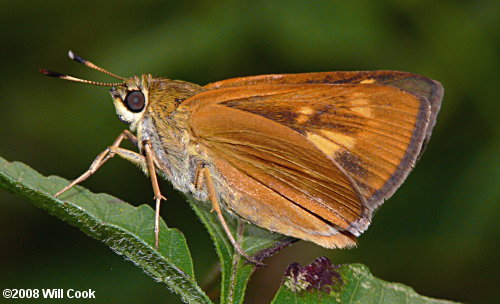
[[437, 234]]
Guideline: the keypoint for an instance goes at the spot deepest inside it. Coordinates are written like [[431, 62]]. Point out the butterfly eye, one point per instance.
[[135, 101]]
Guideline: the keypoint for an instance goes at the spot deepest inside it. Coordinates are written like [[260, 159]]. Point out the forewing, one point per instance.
[[368, 134], [420, 86]]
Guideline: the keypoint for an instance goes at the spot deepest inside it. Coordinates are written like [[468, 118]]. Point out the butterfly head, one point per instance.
[[131, 99]]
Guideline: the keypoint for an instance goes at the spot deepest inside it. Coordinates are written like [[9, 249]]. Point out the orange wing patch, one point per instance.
[[420, 86], [277, 166], [369, 130]]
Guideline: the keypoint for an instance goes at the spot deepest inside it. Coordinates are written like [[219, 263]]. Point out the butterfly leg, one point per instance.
[[103, 157], [199, 179], [156, 188], [131, 156], [212, 194]]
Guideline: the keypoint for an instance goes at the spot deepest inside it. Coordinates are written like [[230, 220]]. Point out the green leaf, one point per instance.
[[236, 271], [322, 282], [127, 230]]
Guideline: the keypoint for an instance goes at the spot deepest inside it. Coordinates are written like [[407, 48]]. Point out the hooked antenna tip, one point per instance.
[[75, 57], [51, 73]]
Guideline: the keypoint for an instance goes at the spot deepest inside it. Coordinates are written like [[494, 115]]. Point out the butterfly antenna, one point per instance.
[[71, 78], [92, 66]]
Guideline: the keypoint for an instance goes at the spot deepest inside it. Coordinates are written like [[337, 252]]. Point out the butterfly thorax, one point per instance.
[[167, 130]]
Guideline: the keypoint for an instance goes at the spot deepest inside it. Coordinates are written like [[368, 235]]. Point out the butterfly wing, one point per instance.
[[418, 85], [310, 160]]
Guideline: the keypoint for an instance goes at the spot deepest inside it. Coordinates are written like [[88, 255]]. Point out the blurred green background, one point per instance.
[[437, 234]]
